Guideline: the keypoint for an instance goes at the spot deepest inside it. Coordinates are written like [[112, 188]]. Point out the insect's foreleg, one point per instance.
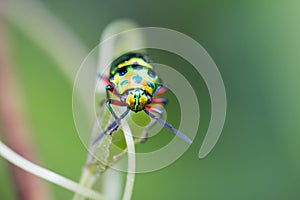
[[114, 102], [111, 127], [168, 126], [110, 101], [159, 101], [160, 90]]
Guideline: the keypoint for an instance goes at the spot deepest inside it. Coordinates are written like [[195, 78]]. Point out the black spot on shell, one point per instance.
[[122, 71]]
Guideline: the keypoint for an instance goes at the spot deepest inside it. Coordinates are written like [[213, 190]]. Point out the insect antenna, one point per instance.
[[169, 126], [113, 126]]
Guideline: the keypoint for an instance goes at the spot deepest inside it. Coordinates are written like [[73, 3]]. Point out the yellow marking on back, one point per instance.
[[133, 61]]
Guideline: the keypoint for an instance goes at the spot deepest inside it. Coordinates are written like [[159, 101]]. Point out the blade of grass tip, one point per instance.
[[46, 174], [117, 46]]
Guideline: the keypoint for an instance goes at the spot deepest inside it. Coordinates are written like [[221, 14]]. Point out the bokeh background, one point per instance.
[[255, 45]]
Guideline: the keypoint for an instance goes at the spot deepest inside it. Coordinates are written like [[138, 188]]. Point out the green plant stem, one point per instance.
[[108, 52], [87, 179], [131, 162]]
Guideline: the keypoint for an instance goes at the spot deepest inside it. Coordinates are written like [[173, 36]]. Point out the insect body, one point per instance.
[[133, 79]]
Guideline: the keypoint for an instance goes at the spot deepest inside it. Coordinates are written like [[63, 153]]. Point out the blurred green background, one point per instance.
[[255, 45]]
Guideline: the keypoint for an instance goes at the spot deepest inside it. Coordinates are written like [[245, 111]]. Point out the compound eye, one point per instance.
[[151, 73], [122, 71]]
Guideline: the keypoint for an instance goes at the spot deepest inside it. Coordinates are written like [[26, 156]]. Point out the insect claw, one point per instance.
[[113, 130]]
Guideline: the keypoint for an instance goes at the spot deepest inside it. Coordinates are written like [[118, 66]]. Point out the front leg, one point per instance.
[[108, 103], [111, 128]]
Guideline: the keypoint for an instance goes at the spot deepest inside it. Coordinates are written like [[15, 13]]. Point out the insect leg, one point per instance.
[[168, 126], [110, 101], [111, 126], [160, 90], [159, 101], [114, 102], [159, 114], [104, 79]]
